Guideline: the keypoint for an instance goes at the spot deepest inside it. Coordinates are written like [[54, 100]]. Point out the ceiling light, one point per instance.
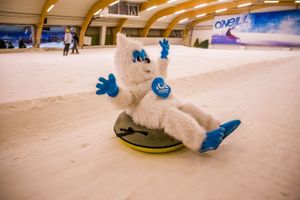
[[171, 1], [221, 10], [151, 8], [178, 12], [183, 20], [161, 18], [201, 15], [50, 8], [271, 1], [96, 13], [113, 3], [297, 1], [243, 5], [201, 5]]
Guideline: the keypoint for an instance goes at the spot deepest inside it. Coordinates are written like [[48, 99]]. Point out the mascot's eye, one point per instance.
[[135, 55], [139, 56], [147, 60]]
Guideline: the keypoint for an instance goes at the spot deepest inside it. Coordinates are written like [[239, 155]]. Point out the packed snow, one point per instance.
[[57, 141], [32, 75]]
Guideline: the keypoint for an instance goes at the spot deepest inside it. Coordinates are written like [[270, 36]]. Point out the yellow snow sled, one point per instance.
[[144, 139]]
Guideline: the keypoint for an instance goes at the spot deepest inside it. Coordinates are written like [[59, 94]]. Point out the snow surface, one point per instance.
[[31, 75], [57, 142]]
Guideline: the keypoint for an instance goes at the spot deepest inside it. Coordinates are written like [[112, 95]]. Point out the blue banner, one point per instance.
[[53, 36], [15, 36], [280, 28], [20, 36]]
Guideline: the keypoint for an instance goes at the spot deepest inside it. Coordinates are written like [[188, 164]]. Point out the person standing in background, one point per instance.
[[67, 41], [75, 43]]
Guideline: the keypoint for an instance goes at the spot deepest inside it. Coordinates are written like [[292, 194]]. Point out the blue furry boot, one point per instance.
[[230, 127], [213, 140]]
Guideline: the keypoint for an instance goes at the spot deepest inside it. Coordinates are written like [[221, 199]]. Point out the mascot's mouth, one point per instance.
[[147, 71]]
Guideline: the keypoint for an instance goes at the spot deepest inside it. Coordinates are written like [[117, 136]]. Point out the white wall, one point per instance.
[[155, 40], [144, 41], [202, 34]]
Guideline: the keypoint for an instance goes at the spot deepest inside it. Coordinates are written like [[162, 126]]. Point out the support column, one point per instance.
[[103, 35], [118, 29], [100, 36], [33, 37], [191, 36], [41, 21]]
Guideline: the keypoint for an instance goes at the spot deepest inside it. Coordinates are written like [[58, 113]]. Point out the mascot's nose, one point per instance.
[[147, 60]]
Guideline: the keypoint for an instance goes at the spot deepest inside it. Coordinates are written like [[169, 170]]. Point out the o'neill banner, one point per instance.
[[280, 28]]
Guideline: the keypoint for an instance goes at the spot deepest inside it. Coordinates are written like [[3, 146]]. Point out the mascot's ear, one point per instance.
[[121, 40]]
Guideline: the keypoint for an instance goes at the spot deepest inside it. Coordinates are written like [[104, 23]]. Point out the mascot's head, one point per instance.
[[133, 65]]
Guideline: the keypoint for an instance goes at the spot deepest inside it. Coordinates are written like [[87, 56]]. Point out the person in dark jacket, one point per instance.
[[21, 43], [75, 43]]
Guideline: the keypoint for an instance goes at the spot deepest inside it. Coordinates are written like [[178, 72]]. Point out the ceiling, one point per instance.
[[73, 12]]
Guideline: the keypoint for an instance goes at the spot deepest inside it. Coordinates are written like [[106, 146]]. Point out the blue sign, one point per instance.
[[15, 36], [232, 22], [280, 28]]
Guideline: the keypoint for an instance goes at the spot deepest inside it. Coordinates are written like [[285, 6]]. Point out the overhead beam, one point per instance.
[[118, 29], [152, 3], [194, 13], [211, 9], [171, 10], [100, 4], [40, 25]]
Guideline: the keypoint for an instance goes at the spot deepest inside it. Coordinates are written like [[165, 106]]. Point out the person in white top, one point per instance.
[[67, 41]]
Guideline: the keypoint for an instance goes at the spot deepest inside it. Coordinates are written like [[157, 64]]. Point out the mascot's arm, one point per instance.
[[163, 67], [123, 99], [120, 96], [163, 61]]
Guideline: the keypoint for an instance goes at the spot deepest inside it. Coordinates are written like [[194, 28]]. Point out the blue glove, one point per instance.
[[108, 87], [165, 49]]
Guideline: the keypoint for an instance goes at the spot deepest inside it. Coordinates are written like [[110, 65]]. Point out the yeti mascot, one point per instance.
[[149, 100]]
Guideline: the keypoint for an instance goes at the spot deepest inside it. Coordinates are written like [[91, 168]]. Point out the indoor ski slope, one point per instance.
[[57, 141]]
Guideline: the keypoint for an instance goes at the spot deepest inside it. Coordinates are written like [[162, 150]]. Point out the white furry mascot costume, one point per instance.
[[150, 102]]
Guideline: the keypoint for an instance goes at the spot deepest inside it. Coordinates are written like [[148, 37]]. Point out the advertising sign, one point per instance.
[[280, 28], [15, 36]]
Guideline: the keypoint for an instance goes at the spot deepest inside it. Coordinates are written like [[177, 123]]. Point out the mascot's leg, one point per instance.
[[183, 127], [204, 119], [208, 122]]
